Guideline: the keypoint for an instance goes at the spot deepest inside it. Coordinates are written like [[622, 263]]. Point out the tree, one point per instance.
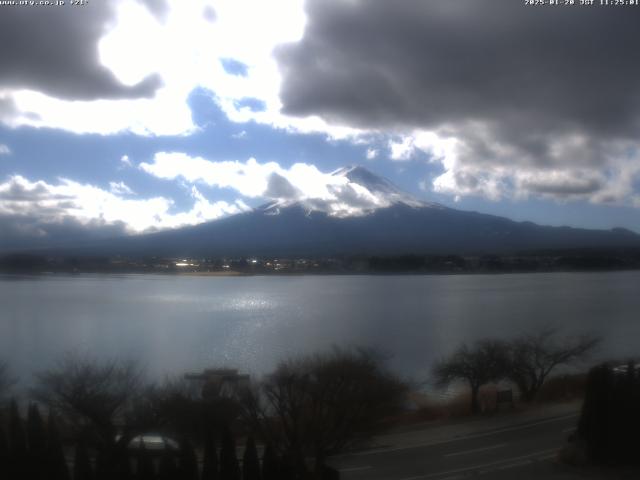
[[317, 405], [533, 357], [145, 465], [57, 463], [269, 464], [5, 467], [89, 393], [229, 468], [6, 381], [82, 464], [168, 469], [250, 461], [188, 461], [37, 440], [210, 470], [171, 406], [19, 461], [178, 406], [486, 361]]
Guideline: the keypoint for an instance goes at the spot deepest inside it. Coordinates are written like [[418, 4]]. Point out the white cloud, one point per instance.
[[480, 165], [303, 183], [403, 149], [371, 154], [120, 188], [250, 178], [125, 160], [4, 149], [240, 135], [87, 204]]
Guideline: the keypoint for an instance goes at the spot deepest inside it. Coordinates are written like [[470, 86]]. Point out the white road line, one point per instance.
[[503, 464], [475, 450], [456, 439], [519, 463], [355, 469]]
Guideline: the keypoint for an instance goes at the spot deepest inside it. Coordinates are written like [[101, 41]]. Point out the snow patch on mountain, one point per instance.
[[351, 191]]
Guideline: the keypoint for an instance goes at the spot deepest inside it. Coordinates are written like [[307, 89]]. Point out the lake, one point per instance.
[[173, 324]]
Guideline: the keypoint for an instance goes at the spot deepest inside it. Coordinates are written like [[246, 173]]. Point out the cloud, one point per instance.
[[126, 161], [55, 51], [280, 188], [495, 97], [130, 65], [301, 183], [4, 149], [240, 135], [30, 231], [35, 208], [120, 188], [402, 150]]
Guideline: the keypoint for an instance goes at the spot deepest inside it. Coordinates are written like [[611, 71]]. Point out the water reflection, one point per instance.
[[174, 324]]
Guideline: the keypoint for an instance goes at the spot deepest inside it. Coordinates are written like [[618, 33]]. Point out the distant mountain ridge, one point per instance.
[[391, 222]]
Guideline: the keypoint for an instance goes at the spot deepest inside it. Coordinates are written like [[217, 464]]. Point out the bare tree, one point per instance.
[[318, 405], [484, 362], [6, 380], [177, 406], [89, 393], [533, 357]]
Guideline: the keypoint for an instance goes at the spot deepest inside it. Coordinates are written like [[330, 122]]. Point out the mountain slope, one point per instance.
[[390, 222], [393, 230]]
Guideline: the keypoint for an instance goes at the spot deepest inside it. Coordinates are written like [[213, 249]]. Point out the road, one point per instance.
[[520, 451]]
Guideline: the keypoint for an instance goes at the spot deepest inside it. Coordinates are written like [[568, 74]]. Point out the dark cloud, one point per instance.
[[543, 87], [19, 192], [20, 232], [55, 51], [565, 186]]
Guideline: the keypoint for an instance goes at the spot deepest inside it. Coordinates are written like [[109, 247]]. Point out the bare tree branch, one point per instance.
[[89, 393], [486, 361], [322, 404], [534, 357]]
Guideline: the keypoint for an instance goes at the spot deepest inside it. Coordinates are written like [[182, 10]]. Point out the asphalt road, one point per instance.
[[516, 452]]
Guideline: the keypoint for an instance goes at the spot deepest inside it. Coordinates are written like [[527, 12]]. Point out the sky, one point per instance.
[[132, 116]]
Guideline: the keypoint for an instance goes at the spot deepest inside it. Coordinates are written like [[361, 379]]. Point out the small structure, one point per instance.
[[151, 442], [219, 382], [504, 396], [150, 448]]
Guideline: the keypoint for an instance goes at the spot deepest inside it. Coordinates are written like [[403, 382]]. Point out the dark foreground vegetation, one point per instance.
[[105, 423], [526, 362], [538, 261], [607, 432], [90, 419]]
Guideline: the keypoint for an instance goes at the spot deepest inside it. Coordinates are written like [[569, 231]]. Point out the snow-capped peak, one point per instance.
[[369, 180], [351, 191]]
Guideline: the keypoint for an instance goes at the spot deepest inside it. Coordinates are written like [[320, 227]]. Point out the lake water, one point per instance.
[[174, 324]]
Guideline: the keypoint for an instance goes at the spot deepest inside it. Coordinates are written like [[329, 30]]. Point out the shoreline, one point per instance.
[[234, 273]]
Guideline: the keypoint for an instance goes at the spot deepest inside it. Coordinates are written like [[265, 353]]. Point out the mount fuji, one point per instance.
[[362, 214]]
